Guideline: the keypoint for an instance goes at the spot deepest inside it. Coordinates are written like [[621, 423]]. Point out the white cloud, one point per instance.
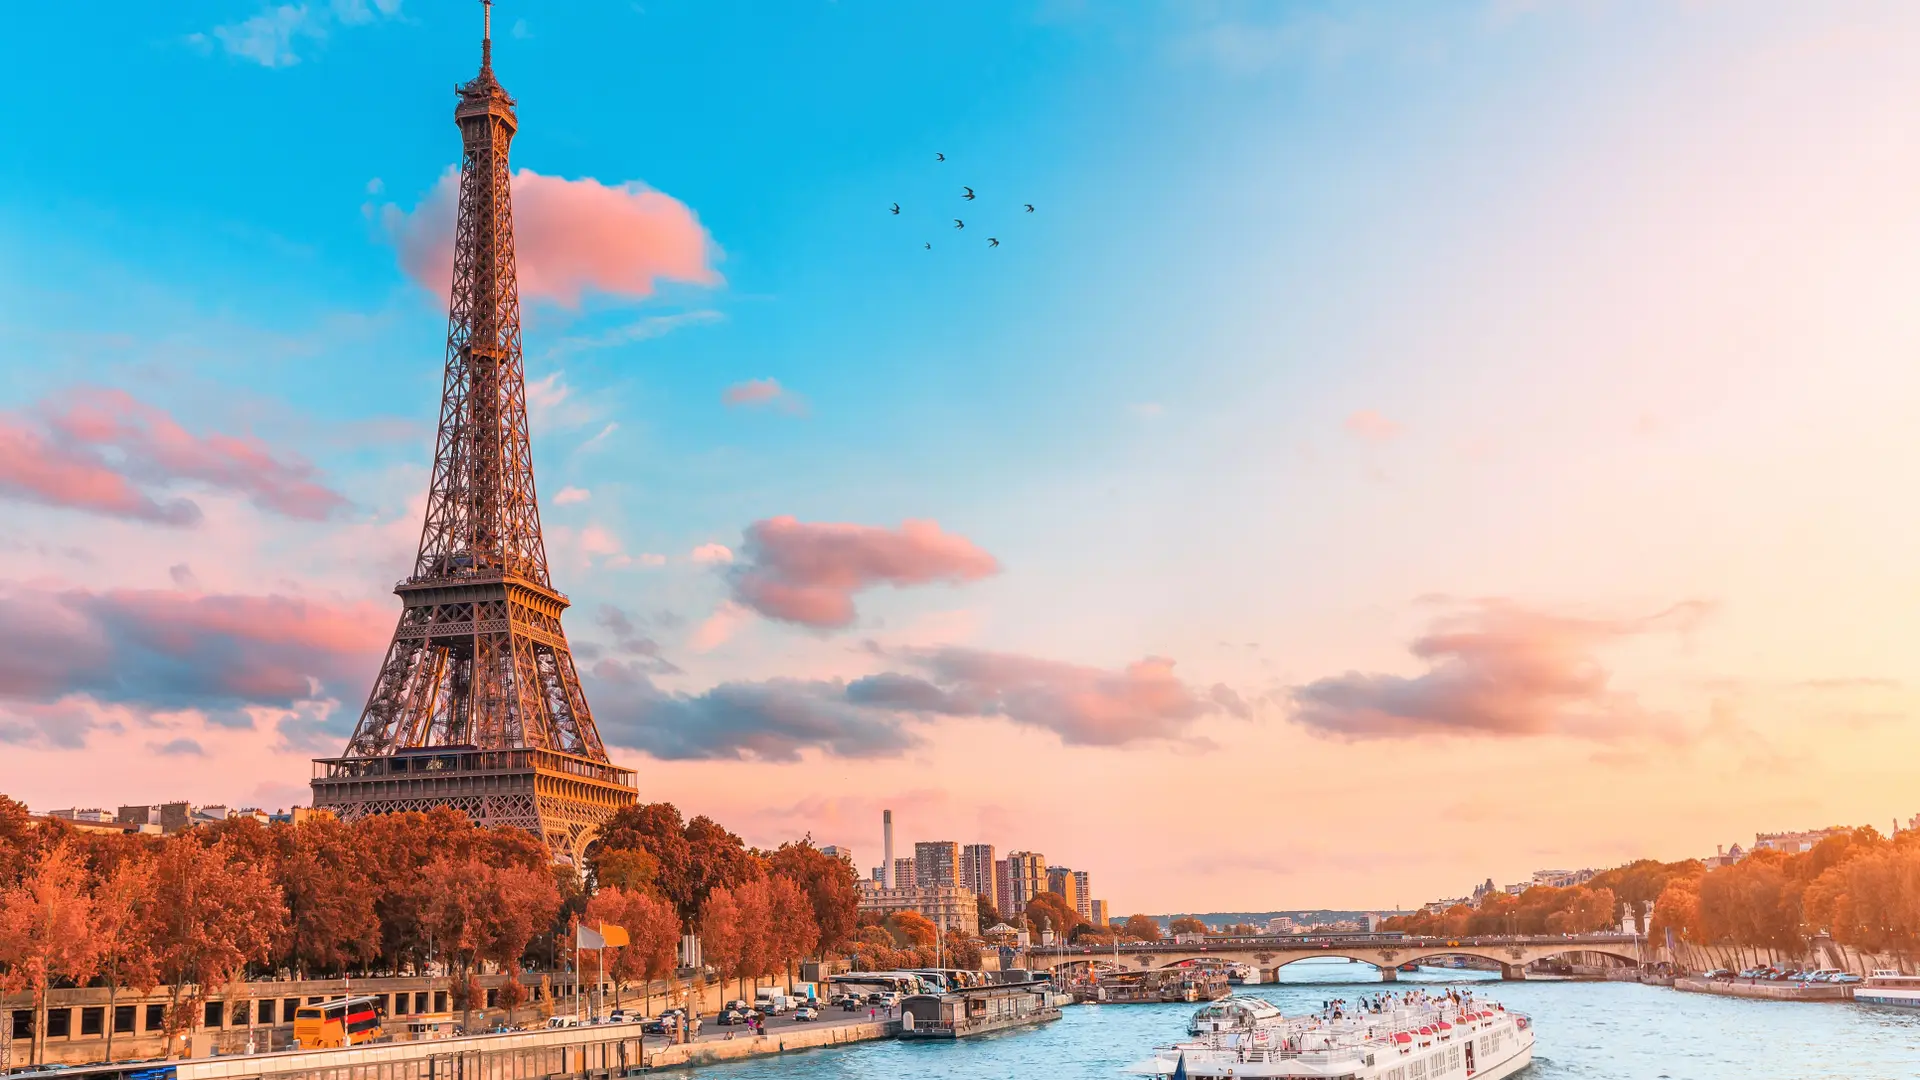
[[567, 496], [711, 554], [270, 36], [645, 329]]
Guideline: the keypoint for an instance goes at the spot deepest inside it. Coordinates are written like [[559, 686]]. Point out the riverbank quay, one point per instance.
[[715, 1049], [1769, 991], [596, 1052], [260, 1013]]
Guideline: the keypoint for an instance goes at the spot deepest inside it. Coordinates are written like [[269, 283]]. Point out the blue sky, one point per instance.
[[1391, 369]]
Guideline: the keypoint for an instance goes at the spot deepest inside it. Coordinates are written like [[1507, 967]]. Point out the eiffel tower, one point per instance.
[[478, 705]]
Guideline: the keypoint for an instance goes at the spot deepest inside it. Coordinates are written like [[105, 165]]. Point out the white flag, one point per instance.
[[589, 938]]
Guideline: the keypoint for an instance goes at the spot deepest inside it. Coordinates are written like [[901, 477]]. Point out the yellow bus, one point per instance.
[[337, 1023]]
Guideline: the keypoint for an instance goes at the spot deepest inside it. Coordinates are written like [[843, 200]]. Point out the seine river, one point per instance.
[[1587, 1030]]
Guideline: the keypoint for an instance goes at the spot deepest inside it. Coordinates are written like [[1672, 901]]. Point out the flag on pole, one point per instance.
[[588, 938], [613, 936]]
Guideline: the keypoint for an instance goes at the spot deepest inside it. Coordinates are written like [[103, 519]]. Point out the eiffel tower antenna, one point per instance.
[[478, 704]]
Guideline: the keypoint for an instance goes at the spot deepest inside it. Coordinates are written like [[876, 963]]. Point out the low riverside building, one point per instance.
[[1016, 998], [948, 907]]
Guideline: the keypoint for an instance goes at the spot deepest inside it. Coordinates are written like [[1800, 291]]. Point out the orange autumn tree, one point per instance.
[[653, 936], [46, 932], [124, 928], [790, 919], [215, 918], [723, 934]]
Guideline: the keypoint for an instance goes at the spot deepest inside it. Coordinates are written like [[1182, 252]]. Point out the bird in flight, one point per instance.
[[939, 157], [929, 246], [993, 242], [969, 194], [1029, 208], [896, 209], [958, 224]]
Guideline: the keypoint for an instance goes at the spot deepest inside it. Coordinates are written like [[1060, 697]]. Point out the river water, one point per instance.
[[1594, 1031]]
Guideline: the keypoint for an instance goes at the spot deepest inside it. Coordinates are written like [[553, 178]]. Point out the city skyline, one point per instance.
[[1347, 428]]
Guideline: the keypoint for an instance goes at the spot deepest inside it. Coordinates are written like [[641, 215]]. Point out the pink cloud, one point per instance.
[[1085, 706], [570, 236], [808, 573], [763, 392], [102, 450], [711, 554], [1372, 427], [173, 650], [1494, 669]]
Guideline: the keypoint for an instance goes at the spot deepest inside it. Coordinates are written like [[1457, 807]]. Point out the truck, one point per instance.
[[771, 1000]]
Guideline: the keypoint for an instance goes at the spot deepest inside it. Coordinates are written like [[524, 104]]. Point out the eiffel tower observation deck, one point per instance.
[[478, 705]]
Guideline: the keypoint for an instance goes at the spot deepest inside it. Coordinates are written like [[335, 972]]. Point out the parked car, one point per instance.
[[663, 1024], [806, 1012], [852, 1004], [563, 1021], [1847, 977]]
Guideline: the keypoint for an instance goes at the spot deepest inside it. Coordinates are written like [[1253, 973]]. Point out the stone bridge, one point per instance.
[[1385, 952]]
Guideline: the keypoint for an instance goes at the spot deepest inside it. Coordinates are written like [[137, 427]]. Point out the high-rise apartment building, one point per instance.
[[903, 875], [1100, 916], [1061, 880], [839, 851], [936, 863], [1083, 897], [1003, 890], [1026, 879], [978, 871]]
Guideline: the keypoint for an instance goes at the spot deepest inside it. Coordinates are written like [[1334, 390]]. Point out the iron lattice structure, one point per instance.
[[479, 665]]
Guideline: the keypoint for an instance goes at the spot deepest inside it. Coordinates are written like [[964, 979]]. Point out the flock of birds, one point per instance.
[[966, 194]]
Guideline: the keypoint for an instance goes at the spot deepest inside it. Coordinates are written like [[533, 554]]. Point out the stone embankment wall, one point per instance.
[[1771, 990], [1821, 952], [71, 1041], [785, 1040]]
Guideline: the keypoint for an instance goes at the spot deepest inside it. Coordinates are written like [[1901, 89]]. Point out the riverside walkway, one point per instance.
[[594, 1052]]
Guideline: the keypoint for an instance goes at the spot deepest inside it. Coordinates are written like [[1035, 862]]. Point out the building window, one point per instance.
[[59, 1023], [493, 996], [266, 1011], [123, 1019], [240, 1011], [400, 1001], [287, 1010], [23, 1023], [93, 1020], [156, 1017], [439, 1001], [420, 1001], [216, 1014]]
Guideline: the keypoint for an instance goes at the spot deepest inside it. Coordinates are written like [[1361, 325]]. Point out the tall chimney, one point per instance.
[[886, 864]]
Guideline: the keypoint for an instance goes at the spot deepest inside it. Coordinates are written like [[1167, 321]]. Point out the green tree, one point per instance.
[[989, 915]]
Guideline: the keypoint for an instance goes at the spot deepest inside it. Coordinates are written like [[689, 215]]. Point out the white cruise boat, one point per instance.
[[1412, 1036], [1231, 1014], [1888, 987]]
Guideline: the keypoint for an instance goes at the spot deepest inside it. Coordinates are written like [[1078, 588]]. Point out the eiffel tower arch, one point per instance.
[[478, 705]]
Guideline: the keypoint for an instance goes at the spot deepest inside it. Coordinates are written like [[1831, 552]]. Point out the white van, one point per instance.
[[772, 1001]]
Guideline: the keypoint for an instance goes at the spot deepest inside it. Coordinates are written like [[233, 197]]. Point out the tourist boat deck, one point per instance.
[[1414, 1036], [1889, 987], [1235, 1013], [975, 1010]]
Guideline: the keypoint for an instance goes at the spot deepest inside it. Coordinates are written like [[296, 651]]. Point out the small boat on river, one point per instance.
[[1408, 1036], [1888, 987]]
